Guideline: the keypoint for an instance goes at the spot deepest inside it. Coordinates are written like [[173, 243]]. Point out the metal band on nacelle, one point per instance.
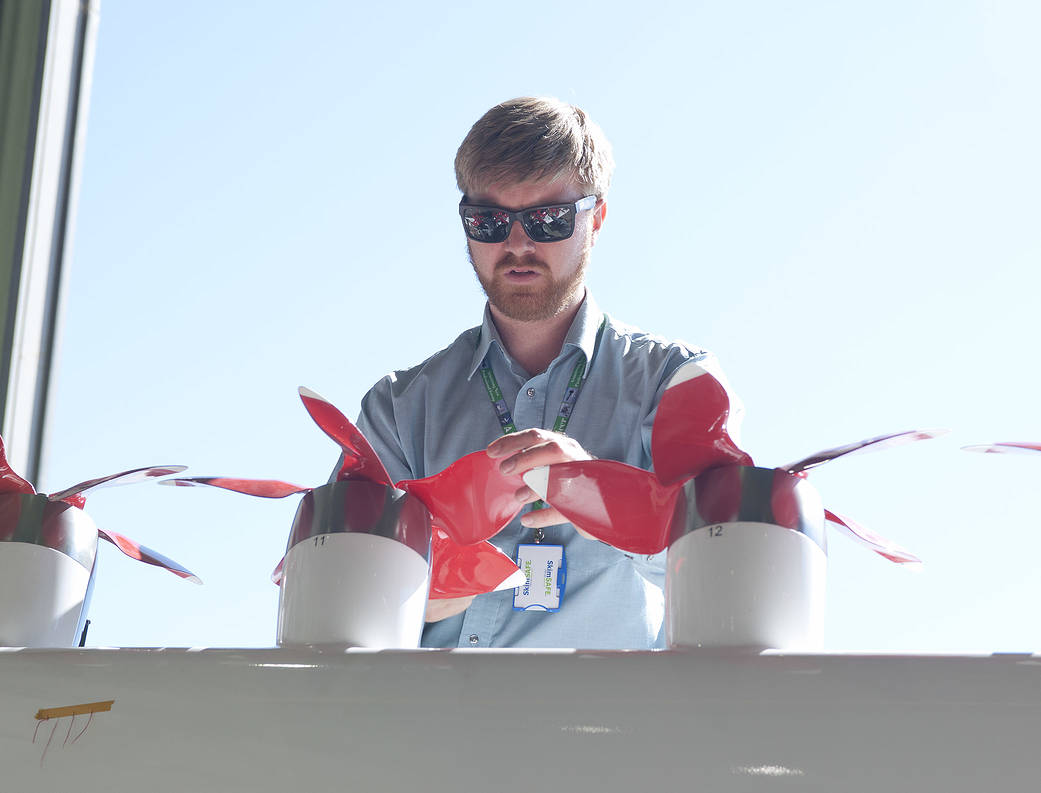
[[37, 520], [741, 493], [363, 507]]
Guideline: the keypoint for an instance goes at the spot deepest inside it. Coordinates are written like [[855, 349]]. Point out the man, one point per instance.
[[547, 377]]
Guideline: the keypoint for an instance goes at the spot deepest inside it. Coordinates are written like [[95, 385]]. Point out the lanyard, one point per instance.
[[567, 404]]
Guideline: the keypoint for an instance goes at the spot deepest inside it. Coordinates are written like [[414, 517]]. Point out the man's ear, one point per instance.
[[599, 215]]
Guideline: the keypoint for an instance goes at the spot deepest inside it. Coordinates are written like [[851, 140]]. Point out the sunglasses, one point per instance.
[[550, 223]]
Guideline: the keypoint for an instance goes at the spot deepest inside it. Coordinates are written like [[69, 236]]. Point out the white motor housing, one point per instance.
[[748, 565], [47, 560], [357, 570]]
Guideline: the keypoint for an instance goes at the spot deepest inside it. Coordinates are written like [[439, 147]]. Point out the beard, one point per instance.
[[544, 300]]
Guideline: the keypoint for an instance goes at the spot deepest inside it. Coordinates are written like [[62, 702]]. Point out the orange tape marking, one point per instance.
[[74, 710]]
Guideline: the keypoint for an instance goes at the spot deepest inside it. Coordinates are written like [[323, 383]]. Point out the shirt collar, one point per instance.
[[582, 334], [488, 335], [585, 329]]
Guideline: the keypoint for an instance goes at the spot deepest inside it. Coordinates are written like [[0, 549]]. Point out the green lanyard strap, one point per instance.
[[567, 404]]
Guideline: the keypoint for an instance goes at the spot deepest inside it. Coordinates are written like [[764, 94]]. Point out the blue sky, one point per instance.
[[841, 202]]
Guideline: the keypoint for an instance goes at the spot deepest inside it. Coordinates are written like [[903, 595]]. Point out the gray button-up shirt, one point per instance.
[[422, 419]]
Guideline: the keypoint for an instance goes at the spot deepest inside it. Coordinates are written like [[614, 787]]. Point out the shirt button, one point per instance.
[[531, 393], [474, 639]]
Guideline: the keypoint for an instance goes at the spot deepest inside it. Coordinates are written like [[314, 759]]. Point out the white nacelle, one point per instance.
[[752, 585], [42, 592], [742, 580], [357, 570], [357, 590], [46, 568]]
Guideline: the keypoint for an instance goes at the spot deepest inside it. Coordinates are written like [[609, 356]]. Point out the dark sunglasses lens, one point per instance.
[[486, 225], [549, 224]]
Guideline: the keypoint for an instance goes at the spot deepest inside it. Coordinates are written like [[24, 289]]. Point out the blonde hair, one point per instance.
[[531, 139]]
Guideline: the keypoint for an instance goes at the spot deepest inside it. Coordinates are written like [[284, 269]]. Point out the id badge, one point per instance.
[[545, 572]]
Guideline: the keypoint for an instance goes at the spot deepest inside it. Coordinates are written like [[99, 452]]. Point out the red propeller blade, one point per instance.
[[690, 432], [471, 498], [620, 504], [869, 445], [462, 570], [263, 488], [880, 545], [10, 482], [276, 574], [147, 555], [359, 459], [122, 478], [1005, 447]]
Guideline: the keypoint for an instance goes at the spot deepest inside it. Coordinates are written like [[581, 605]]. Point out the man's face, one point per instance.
[[527, 280]]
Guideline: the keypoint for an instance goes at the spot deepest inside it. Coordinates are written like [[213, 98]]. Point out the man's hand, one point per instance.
[[446, 607], [522, 451]]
